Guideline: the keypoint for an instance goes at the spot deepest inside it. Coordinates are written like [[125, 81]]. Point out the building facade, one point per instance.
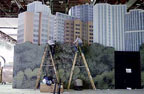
[[85, 15], [134, 29], [90, 33], [109, 25], [82, 12], [133, 40], [33, 24], [69, 31], [59, 26], [77, 28], [51, 26], [74, 29], [37, 7]]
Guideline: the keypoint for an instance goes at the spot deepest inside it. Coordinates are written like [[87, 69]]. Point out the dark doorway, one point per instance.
[[127, 70]]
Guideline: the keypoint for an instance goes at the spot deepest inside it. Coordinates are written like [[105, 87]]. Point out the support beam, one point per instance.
[[8, 28], [5, 12], [6, 37], [130, 3], [43, 2], [94, 2], [18, 4]]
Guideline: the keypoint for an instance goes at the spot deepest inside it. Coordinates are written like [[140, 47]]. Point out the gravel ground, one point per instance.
[[7, 89]]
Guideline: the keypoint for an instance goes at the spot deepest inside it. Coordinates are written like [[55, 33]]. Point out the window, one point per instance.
[[91, 33], [35, 40], [77, 28], [90, 40], [91, 37], [77, 24], [77, 32], [35, 35], [90, 30], [90, 26]]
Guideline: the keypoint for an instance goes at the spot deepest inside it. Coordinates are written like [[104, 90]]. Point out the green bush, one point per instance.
[[142, 79], [100, 60], [105, 80]]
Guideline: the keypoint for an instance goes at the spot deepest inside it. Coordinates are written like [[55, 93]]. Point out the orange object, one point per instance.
[[46, 88]]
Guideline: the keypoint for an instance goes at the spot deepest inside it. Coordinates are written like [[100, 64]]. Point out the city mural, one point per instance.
[[100, 60]]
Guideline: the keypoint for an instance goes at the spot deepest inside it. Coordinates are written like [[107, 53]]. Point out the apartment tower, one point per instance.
[[109, 25], [85, 15], [134, 29], [33, 24]]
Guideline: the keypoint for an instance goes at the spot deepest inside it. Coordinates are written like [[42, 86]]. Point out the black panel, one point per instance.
[[130, 60]]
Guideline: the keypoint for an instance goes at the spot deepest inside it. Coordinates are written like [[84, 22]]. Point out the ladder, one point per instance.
[[42, 64], [87, 69]]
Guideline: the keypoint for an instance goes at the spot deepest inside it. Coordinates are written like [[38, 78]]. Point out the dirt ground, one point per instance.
[[7, 89]]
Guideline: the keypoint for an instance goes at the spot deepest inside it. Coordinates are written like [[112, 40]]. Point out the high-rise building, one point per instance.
[[82, 12], [109, 25], [90, 33], [33, 24], [134, 29], [51, 26], [85, 15], [74, 29], [77, 29], [69, 31], [133, 40], [59, 26], [37, 6]]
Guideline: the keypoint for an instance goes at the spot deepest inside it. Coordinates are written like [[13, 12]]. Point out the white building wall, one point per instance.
[[109, 25], [44, 28], [20, 36], [51, 27], [7, 51], [37, 6], [96, 24]]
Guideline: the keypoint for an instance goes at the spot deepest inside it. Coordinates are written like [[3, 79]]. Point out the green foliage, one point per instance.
[[142, 79], [142, 57], [105, 80], [100, 60], [142, 64], [18, 79]]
